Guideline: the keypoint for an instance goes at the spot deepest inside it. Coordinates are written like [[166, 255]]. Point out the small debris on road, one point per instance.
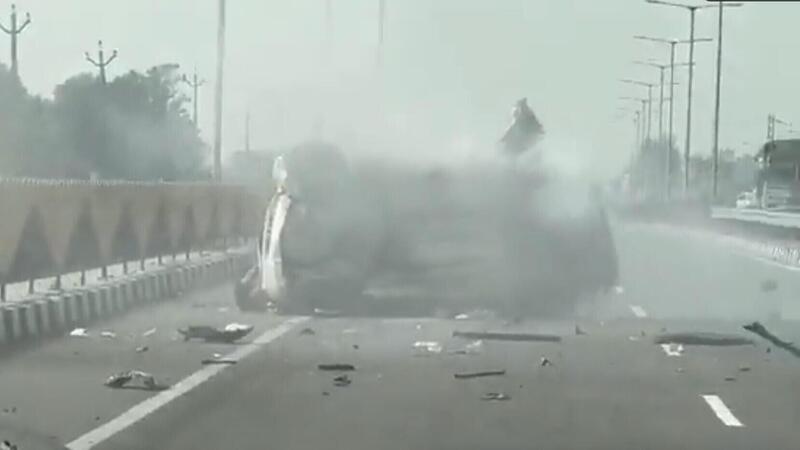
[[108, 334], [142, 349], [231, 333], [730, 378], [356, 347], [619, 290], [769, 285], [336, 367], [488, 373], [579, 331], [7, 445], [522, 337], [473, 348], [461, 316], [223, 309], [11, 410], [326, 393], [544, 362], [149, 332], [418, 326], [217, 361], [679, 370], [79, 332], [342, 381], [697, 338], [760, 330], [326, 312], [633, 338], [350, 331], [122, 379], [769, 349], [495, 396], [744, 368], [307, 332], [427, 347]]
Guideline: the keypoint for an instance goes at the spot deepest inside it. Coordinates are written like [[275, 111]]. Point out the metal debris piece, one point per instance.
[[326, 312], [149, 332], [326, 393], [488, 373], [356, 347], [142, 349], [760, 330], [544, 362], [523, 337], [342, 380], [336, 367], [495, 396], [769, 285], [218, 361], [579, 331], [744, 368], [307, 332], [427, 347], [473, 348], [79, 332], [730, 378], [122, 379], [711, 339], [231, 333], [108, 334]]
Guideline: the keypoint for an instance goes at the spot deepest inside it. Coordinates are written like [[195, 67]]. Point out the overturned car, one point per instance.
[[339, 235]]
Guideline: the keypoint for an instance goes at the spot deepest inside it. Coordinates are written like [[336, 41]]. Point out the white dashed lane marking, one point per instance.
[[721, 410], [638, 311]]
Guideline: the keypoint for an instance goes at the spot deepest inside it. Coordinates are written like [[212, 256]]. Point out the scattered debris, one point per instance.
[[769, 349], [525, 337], [142, 349], [356, 347], [544, 362], [461, 316], [730, 378], [643, 334], [218, 361], [336, 367], [79, 332], [231, 333], [633, 338], [579, 331], [108, 334], [711, 339], [418, 326], [326, 393], [760, 330], [122, 379], [495, 396], [342, 380], [223, 309], [744, 368], [217, 355], [11, 410], [473, 348], [7, 445], [679, 370], [427, 347], [619, 290], [326, 312], [350, 331], [488, 373], [672, 349], [769, 285], [307, 332], [149, 332]]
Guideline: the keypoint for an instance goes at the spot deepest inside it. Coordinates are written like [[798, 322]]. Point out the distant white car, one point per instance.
[[746, 200]]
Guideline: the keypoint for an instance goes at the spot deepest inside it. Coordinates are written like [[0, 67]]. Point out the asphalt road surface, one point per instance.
[[610, 387]]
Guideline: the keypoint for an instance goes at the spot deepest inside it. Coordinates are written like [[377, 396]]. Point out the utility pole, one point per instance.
[[649, 102], [194, 83], [661, 68], [381, 30], [14, 30], [218, 93], [247, 131], [715, 148], [101, 62]]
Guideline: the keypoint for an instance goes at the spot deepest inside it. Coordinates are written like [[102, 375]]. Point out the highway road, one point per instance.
[[610, 387]]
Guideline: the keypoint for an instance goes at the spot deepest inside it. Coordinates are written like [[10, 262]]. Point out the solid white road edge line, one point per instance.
[[723, 413], [146, 407], [638, 311]]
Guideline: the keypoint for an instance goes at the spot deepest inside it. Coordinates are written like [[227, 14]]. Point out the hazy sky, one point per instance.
[[452, 68]]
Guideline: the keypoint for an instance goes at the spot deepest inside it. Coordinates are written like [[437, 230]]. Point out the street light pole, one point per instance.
[[662, 68], [101, 62], [649, 101], [14, 31], [218, 92], [715, 148]]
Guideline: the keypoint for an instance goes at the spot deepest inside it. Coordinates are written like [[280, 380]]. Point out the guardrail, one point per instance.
[[51, 227], [759, 216]]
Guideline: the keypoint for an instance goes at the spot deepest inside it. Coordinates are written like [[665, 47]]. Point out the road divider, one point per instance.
[[55, 314]]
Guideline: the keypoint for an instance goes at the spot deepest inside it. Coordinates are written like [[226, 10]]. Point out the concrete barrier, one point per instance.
[[56, 314]]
